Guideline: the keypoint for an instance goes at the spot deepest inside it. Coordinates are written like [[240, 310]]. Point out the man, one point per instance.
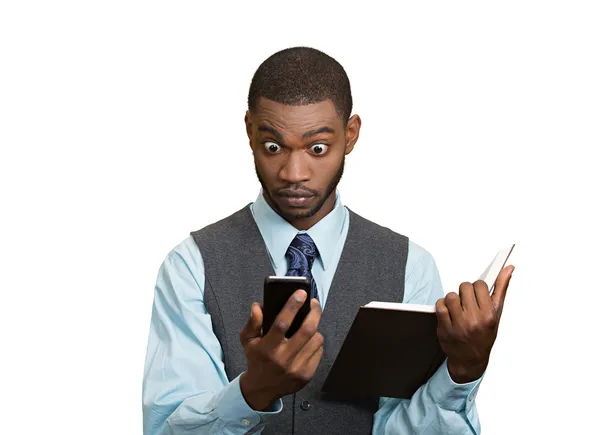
[[208, 367]]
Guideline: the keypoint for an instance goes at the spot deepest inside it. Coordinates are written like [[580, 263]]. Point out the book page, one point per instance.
[[490, 274], [400, 306]]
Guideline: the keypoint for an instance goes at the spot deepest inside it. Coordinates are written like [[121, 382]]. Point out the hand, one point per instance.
[[468, 325], [276, 365]]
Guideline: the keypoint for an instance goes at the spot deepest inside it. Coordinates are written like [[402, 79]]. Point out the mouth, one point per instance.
[[295, 198], [296, 201]]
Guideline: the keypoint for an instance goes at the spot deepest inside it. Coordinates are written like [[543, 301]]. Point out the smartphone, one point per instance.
[[277, 291]]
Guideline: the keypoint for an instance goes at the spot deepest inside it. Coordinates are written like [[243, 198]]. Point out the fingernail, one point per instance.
[[300, 296]]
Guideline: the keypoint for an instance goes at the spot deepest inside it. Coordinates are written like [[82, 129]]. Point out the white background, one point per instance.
[[121, 126]]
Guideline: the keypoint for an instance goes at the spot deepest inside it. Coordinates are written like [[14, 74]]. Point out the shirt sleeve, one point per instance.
[[185, 386], [441, 406]]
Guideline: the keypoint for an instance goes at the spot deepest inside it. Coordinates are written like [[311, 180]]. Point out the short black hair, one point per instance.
[[299, 76]]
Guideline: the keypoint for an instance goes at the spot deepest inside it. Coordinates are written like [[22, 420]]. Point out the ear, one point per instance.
[[352, 132], [249, 127]]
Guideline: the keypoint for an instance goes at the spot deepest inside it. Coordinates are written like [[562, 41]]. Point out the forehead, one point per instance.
[[296, 118]]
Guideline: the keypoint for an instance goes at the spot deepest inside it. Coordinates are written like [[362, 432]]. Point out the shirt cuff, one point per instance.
[[237, 415], [448, 394]]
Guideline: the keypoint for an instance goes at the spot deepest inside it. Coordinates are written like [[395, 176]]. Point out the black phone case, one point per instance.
[[277, 291]]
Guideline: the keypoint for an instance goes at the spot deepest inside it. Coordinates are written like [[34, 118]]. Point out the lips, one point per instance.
[[295, 198], [296, 201]]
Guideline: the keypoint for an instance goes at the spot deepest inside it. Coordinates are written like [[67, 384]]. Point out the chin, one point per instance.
[[300, 209], [300, 212]]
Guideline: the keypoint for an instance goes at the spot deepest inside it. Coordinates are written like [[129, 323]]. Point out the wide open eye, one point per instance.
[[319, 149], [272, 147]]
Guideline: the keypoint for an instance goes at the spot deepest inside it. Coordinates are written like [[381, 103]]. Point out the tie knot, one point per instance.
[[302, 252]]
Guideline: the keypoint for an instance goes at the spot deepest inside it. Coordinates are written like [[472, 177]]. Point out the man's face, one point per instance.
[[299, 156]]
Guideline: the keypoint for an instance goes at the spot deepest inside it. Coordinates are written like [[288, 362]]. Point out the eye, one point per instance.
[[272, 147], [319, 149]]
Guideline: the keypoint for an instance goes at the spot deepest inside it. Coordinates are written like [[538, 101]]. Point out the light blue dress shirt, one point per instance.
[[185, 387]]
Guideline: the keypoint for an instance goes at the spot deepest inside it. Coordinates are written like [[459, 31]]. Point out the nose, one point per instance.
[[296, 169]]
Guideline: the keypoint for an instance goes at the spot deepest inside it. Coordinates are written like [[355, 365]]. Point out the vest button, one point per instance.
[[305, 405]]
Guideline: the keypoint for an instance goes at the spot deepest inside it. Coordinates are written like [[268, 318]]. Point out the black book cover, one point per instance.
[[387, 352]]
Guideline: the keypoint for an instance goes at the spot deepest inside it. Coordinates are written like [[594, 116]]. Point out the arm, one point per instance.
[[185, 388], [441, 406]]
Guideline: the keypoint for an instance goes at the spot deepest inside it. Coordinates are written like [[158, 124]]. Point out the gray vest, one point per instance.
[[371, 268]]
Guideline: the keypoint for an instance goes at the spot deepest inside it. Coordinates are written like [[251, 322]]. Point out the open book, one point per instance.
[[392, 348]]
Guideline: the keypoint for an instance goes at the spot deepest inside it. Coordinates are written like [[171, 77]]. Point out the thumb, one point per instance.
[[253, 327], [501, 286]]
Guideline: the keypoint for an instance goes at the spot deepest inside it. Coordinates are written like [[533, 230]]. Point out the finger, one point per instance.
[[315, 359], [443, 315], [500, 287], [284, 319], [308, 328], [482, 294], [306, 368], [452, 301], [467, 297], [317, 341], [252, 329]]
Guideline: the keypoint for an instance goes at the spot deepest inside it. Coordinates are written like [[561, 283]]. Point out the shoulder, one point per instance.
[[237, 220], [419, 253], [184, 261], [187, 252], [373, 229], [419, 259]]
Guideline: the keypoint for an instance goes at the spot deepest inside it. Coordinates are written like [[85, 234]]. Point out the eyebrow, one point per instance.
[[268, 129], [316, 132], [271, 130]]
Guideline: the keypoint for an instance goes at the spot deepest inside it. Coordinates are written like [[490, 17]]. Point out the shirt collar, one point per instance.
[[278, 233]]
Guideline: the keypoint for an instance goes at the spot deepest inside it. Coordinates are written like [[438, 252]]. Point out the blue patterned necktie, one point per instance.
[[301, 255]]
